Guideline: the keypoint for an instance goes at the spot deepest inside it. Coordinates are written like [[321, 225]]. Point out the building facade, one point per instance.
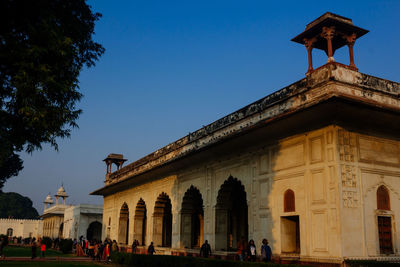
[[313, 167], [21, 228], [68, 221]]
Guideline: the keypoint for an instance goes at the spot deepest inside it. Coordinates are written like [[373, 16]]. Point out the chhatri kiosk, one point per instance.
[[313, 167]]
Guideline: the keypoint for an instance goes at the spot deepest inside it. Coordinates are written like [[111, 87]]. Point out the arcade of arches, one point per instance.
[[293, 203], [313, 167], [231, 219]]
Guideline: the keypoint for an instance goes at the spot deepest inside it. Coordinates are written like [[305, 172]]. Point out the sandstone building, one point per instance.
[[313, 167]]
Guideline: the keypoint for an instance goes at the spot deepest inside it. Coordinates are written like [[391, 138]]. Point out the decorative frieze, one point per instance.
[[350, 199], [349, 176], [347, 145]]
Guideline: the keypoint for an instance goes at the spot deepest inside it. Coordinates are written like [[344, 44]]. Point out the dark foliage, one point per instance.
[[139, 260], [47, 241], [13, 205], [4, 238], [370, 263], [44, 44], [66, 245]]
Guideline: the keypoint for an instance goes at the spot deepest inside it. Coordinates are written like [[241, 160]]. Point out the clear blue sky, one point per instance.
[[171, 67]]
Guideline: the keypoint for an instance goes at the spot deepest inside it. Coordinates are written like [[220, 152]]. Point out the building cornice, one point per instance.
[[314, 89]]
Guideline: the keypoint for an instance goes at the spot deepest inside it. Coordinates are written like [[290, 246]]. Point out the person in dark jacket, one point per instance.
[[266, 253], [34, 247], [205, 250], [151, 249]]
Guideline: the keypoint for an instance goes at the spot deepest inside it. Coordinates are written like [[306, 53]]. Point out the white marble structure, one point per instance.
[[21, 228], [68, 221]]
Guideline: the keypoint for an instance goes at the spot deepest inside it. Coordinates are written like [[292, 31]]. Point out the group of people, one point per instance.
[[246, 251], [35, 245], [150, 249], [96, 250]]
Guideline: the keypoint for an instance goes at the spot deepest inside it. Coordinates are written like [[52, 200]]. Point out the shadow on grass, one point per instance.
[[16, 251]]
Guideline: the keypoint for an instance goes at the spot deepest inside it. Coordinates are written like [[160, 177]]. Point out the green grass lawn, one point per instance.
[[47, 264], [14, 251]]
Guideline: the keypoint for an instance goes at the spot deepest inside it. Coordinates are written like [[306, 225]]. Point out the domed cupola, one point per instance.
[[48, 201], [61, 193]]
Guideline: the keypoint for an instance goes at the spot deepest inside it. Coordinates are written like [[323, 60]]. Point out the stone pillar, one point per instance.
[[138, 229], [309, 46], [221, 229], [328, 33], [186, 229], [157, 229], [351, 39]]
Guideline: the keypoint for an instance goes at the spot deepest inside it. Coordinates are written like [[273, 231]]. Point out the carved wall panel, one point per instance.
[[347, 145], [316, 149], [350, 199], [319, 232], [349, 176], [318, 184]]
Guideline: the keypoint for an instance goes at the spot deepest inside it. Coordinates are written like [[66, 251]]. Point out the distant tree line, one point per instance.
[[15, 206]]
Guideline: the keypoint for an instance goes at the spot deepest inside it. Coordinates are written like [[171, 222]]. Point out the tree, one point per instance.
[[44, 44], [13, 205]]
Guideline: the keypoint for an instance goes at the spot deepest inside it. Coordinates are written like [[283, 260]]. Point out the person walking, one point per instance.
[[33, 248], [266, 253], [107, 251], [42, 249], [242, 248], [205, 250], [134, 244], [251, 251], [150, 249]]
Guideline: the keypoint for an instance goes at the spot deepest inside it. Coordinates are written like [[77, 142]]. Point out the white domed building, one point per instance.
[[70, 221]]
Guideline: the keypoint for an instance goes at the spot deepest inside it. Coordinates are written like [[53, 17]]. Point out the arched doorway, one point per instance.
[[94, 231], [231, 217], [60, 231], [192, 218], [162, 221], [123, 230], [384, 220], [10, 232], [140, 222]]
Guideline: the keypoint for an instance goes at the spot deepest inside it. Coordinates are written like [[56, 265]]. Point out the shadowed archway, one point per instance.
[[94, 231], [123, 229], [192, 219], [162, 221], [61, 230], [231, 217], [140, 222]]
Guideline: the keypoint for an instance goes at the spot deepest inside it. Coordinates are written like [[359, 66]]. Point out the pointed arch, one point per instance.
[[382, 198], [140, 222], [192, 218], [231, 215], [10, 232], [162, 221], [289, 201], [123, 230]]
